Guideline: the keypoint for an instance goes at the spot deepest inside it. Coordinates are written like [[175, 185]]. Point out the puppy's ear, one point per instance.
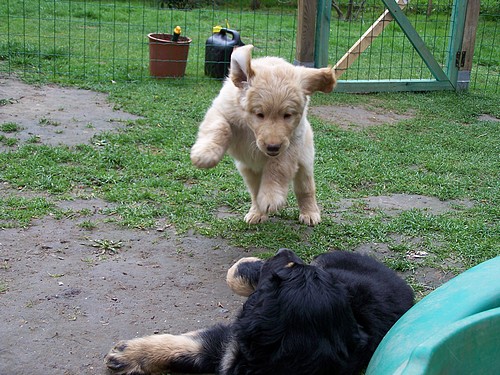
[[318, 80], [241, 68]]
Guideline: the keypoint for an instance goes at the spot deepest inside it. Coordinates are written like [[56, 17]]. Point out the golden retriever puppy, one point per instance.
[[259, 118]]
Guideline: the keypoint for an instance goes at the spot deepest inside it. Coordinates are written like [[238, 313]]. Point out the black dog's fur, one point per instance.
[[324, 318]]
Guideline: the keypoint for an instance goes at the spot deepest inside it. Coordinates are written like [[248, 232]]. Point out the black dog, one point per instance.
[[324, 318]]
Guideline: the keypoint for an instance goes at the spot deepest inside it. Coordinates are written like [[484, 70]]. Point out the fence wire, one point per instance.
[[102, 40]]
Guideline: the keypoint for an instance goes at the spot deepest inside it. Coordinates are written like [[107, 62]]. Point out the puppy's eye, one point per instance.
[[260, 115]]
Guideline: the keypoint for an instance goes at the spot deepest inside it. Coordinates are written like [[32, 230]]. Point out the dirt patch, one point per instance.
[[54, 115], [72, 293], [485, 117], [393, 205], [68, 293], [357, 117]]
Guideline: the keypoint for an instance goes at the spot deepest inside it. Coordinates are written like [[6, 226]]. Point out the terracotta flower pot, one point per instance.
[[167, 58]]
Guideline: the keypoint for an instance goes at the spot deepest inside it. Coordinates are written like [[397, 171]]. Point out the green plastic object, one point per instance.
[[454, 330]]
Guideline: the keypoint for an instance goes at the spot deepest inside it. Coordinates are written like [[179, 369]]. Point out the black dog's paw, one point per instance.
[[243, 276], [153, 354], [124, 360]]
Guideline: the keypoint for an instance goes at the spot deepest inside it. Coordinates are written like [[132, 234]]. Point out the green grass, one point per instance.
[[9, 127], [444, 151], [71, 41], [18, 211], [8, 141]]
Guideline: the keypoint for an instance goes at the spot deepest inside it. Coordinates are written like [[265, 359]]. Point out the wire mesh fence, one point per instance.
[[102, 40], [391, 55]]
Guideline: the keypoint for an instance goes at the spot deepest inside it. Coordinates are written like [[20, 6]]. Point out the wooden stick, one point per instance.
[[469, 39], [306, 30]]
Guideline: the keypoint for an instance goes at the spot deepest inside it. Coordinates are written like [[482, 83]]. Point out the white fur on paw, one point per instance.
[[310, 218], [254, 217], [270, 203], [205, 157], [119, 362]]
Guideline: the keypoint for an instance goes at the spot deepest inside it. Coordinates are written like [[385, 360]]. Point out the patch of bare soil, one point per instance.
[[485, 117], [55, 115], [357, 117], [393, 205], [70, 293]]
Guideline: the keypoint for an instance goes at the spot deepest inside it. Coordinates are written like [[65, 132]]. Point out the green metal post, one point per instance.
[[456, 35], [321, 40]]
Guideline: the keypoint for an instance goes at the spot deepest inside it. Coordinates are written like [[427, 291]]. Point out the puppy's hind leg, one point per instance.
[[214, 136], [194, 352]]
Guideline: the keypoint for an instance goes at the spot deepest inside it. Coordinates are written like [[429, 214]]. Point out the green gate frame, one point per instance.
[[444, 79]]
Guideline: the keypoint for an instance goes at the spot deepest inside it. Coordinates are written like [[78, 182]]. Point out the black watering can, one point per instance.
[[218, 50]]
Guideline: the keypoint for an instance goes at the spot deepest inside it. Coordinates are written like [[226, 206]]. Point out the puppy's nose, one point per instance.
[[273, 148]]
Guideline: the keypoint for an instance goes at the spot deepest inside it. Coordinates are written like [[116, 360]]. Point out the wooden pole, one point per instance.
[[364, 42], [464, 58], [306, 31]]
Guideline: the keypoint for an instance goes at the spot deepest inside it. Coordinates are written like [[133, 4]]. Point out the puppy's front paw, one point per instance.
[[124, 359], [206, 156], [310, 218], [254, 216]]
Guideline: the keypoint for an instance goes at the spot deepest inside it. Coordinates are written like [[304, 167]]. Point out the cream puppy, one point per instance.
[[259, 118]]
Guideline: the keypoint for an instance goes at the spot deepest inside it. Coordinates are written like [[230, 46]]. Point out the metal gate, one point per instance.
[[452, 74]]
